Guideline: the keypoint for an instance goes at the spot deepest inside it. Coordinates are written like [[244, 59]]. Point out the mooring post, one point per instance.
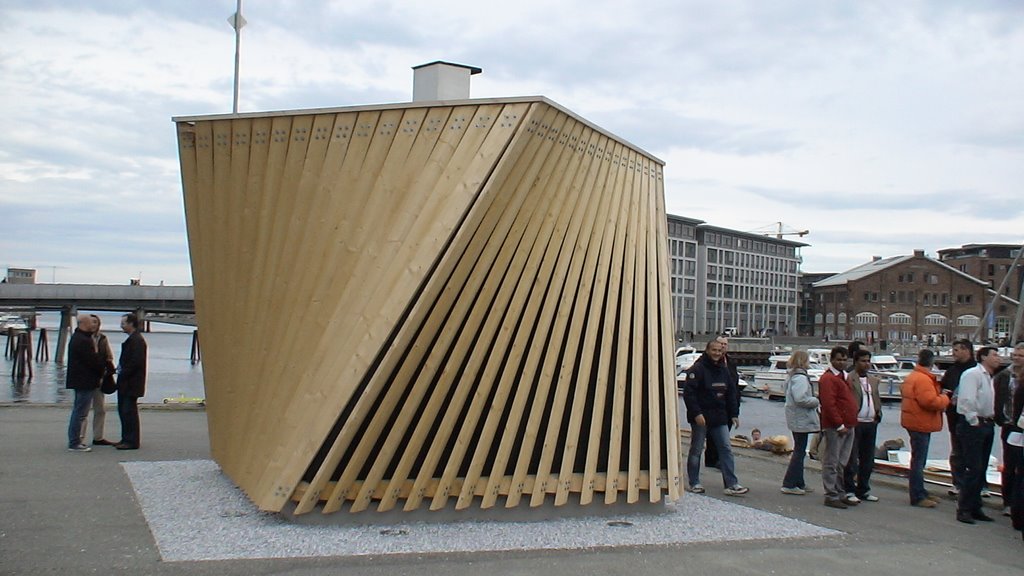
[[140, 313], [196, 356], [62, 337], [42, 347]]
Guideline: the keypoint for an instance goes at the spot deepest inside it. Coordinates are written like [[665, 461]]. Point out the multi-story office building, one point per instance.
[[682, 244], [731, 281]]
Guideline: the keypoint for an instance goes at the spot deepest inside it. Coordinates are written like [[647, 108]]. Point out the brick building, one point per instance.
[[991, 263], [808, 303], [898, 298]]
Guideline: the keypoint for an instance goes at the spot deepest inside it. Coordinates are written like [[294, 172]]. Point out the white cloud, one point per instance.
[[880, 126]]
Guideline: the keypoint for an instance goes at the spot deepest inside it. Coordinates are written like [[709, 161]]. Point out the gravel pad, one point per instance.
[[196, 513]]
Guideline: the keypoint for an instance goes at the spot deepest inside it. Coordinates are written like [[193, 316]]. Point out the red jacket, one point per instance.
[[837, 405], [923, 401]]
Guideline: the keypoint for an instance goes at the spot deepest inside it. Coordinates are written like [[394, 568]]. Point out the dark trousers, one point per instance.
[[857, 472], [976, 442], [795, 472], [956, 463], [1012, 457], [919, 442], [128, 410]]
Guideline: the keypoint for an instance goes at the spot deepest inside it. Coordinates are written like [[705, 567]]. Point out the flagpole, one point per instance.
[[237, 21]]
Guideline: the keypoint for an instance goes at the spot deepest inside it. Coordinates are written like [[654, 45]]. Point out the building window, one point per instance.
[[830, 318], [899, 318], [967, 320], [935, 320], [842, 317], [866, 318]]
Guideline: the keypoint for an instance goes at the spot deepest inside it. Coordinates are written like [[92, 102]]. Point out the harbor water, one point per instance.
[[171, 374]]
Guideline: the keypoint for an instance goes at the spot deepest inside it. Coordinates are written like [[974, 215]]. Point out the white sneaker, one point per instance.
[[79, 448], [697, 489], [794, 491], [870, 498], [735, 490], [851, 498]]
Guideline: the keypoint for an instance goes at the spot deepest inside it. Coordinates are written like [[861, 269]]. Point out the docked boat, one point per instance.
[[686, 359], [770, 380], [12, 321]]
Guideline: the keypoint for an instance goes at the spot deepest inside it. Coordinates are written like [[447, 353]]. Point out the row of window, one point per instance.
[[897, 318], [746, 260], [680, 248], [926, 277], [909, 297], [752, 277], [760, 246]]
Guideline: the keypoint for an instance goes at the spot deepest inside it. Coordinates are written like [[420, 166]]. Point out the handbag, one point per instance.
[[109, 385]]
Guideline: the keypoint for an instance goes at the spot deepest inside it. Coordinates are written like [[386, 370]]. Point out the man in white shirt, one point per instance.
[[976, 404]]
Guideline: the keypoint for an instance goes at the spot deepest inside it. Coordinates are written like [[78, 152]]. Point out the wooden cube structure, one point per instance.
[[461, 300]]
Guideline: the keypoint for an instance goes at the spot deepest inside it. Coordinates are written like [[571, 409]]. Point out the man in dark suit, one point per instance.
[[131, 382], [85, 371]]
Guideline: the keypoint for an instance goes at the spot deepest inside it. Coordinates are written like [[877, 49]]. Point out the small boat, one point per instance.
[[771, 380], [9, 321], [686, 359]]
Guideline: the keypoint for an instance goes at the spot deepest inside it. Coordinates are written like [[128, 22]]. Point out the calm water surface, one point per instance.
[[170, 372]]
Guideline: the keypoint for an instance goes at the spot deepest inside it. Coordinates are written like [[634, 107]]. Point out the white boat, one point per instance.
[[686, 359], [8, 321], [770, 381]]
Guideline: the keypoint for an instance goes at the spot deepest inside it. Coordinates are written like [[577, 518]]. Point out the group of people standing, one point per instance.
[[974, 393], [91, 373]]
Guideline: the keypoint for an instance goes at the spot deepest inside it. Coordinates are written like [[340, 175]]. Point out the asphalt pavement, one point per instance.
[[69, 513]]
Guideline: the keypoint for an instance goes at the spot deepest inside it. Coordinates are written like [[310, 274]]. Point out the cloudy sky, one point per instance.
[[880, 126]]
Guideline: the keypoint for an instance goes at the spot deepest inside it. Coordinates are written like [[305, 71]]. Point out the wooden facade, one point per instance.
[[457, 303]]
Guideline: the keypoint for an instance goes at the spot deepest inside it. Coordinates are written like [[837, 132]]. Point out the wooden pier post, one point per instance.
[[62, 338], [196, 355], [22, 357], [42, 347]]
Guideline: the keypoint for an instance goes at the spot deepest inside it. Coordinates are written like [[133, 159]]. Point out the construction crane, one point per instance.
[[778, 229]]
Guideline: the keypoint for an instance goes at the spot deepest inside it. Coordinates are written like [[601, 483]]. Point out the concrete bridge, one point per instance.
[[148, 302]]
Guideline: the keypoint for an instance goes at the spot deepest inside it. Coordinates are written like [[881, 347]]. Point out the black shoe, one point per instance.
[[981, 517], [123, 446], [103, 442], [965, 518], [836, 504]]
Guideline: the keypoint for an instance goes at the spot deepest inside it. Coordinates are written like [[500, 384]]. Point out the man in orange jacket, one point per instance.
[[921, 410]]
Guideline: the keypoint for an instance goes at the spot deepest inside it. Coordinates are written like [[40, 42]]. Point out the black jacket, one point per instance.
[[1004, 399], [710, 390], [131, 377], [85, 363], [951, 380]]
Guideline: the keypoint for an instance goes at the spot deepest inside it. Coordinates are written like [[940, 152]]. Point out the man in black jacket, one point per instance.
[[131, 382], [963, 354], [1006, 383], [85, 371], [712, 402], [711, 451]]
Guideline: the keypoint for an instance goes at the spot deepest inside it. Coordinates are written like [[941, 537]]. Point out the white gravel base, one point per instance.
[[196, 513]]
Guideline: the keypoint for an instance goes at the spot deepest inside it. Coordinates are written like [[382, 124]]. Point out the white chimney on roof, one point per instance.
[[441, 81]]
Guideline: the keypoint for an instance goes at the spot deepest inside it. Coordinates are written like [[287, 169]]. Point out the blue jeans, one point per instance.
[[79, 412], [919, 442], [795, 472], [720, 436]]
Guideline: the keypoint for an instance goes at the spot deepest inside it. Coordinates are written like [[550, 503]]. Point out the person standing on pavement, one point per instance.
[[921, 407], [838, 421], [1006, 383], [963, 356], [711, 404], [976, 406], [711, 450], [858, 469], [801, 419], [131, 382], [85, 371], [99, 399]]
